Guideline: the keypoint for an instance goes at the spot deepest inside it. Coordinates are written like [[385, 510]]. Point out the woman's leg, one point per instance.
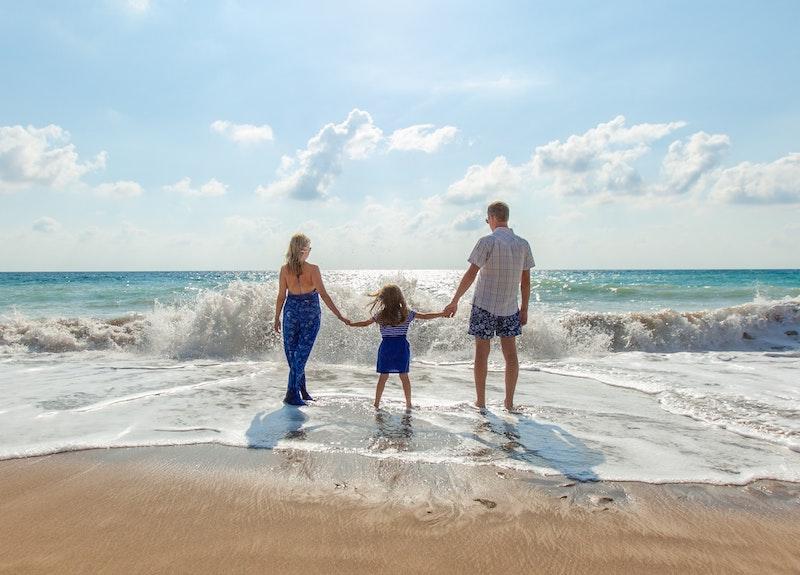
[[379, 390], [291, 339], [406, 388], [307, 339]]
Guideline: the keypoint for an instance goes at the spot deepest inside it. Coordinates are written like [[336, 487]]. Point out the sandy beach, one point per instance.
[[211, 509]]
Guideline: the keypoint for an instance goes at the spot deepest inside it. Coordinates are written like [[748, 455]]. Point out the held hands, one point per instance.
[[450, 309]]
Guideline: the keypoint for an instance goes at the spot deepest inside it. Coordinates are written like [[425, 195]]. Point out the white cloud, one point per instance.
[[747, 183], [468, 221], [600, 160], [498, 179], [212, 188], [242, 133], [310, 173], [46, 225], [502, 85], [32, 156], [120, 189], [424, 137], [686, 163], [137, 6]]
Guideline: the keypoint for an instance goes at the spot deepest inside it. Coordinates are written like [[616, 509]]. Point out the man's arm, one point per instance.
[[525, 287], [466, 281]]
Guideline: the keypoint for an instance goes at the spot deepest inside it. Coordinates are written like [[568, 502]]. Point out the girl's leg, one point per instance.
[[379, 389], [406, 388]]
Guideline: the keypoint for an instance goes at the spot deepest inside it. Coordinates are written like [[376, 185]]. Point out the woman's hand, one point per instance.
[[277, 325]]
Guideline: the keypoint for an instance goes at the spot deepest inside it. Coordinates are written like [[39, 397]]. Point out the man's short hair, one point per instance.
[[499, 210]]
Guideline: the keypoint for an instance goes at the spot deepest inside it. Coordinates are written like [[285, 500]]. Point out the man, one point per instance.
[[502, 262]]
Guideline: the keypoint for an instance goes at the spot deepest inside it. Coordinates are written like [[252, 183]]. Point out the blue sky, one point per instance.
[[200, 135]]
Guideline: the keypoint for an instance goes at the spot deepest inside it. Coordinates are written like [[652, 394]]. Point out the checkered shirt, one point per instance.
[[501, 256]]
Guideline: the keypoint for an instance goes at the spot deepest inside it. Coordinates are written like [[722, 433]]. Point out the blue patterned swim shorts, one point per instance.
[[485, 325]]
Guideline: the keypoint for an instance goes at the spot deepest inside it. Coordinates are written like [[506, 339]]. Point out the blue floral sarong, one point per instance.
[[301, 319]]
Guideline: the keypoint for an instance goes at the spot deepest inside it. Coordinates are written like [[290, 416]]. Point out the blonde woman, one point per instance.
[[299, 288]]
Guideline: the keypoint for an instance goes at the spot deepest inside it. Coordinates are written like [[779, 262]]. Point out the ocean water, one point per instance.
[[658, 376]]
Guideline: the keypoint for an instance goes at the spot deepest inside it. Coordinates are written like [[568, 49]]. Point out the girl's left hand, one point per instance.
[[277, 325]]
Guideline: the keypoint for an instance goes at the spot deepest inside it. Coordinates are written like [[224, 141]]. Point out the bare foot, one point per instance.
[[377, 405]]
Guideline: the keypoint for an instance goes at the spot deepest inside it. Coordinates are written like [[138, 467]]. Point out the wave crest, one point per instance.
[[236, 321]]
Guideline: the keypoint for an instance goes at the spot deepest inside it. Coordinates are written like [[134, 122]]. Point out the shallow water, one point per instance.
[[656, 394]]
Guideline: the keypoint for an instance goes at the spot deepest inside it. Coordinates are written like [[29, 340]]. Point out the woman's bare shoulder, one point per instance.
[[313, 268]]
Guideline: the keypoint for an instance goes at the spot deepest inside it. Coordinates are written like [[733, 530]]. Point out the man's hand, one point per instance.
[[450, 309], [277, 325], [523, 317]]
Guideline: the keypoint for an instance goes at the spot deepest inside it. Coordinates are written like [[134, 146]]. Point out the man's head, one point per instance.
[[497, 214]]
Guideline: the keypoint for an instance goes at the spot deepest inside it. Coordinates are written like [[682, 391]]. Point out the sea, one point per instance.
[[658, 376]]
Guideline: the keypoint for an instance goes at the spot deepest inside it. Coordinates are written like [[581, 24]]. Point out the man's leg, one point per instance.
[[481, 367], [509, 345]]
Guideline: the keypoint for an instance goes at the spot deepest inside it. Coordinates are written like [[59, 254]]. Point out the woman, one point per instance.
[[300, 287]]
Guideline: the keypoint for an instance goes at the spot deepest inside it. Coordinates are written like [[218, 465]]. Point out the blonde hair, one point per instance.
[[392, 308], [297, 244]]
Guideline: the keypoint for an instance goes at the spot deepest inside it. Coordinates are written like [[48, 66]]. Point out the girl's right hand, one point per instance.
[[277, 325]]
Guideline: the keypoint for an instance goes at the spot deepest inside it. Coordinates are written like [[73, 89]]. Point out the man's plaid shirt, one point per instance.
[[501, 256]]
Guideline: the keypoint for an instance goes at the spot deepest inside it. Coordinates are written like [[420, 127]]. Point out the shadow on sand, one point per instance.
[[267, 429], [521, 438]]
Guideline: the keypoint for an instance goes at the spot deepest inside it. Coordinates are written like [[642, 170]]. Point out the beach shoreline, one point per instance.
[[208, 508]]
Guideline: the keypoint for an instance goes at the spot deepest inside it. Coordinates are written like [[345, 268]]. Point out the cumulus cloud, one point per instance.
[[310, 173], [46, 225], [599, 160], [242, 133], [687, 162], [424, 137], [119, 190], [775, 183], [468, 221], [32, 156], [600, 164], [498, 179], [212, 188]]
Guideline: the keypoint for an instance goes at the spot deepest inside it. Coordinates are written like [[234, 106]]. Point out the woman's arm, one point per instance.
[[364, 323], [320, 287], [432, 315], [282, 287]]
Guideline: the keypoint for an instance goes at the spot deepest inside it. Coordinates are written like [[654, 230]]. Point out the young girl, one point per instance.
[[394, 354]]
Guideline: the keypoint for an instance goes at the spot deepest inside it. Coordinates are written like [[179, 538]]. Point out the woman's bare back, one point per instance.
[[302, 284]]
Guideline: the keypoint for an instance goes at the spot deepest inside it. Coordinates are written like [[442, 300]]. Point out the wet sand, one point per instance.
[[211, 509]]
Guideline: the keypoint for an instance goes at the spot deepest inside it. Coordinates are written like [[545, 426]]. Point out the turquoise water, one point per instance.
[[108, 294], [627, 375]]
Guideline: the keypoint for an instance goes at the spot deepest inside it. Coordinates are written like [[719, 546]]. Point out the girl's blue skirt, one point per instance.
[[394, 355]]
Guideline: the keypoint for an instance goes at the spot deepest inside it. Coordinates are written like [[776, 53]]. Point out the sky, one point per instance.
[[176, 135]]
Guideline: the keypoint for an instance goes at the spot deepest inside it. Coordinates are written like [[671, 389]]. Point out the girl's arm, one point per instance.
[[320, 287], [282, 287], [364, 323], [432, 315]]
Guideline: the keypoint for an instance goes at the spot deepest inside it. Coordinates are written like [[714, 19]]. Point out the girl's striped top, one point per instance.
[[397, 330]]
